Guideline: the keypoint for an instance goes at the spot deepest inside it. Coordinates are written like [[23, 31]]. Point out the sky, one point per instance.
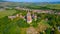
[[34, 0]]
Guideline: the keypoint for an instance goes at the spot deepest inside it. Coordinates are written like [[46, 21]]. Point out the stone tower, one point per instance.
[[29, 17]]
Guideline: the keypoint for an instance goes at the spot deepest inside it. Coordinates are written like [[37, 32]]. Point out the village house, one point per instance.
[[57, 13], [43, 11], [11, 17]]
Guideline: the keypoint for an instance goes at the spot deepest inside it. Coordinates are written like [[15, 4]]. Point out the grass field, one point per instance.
[[53, 6], [6, 13]]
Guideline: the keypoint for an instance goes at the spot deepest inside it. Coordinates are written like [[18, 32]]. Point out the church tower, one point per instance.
[[29, 17]]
